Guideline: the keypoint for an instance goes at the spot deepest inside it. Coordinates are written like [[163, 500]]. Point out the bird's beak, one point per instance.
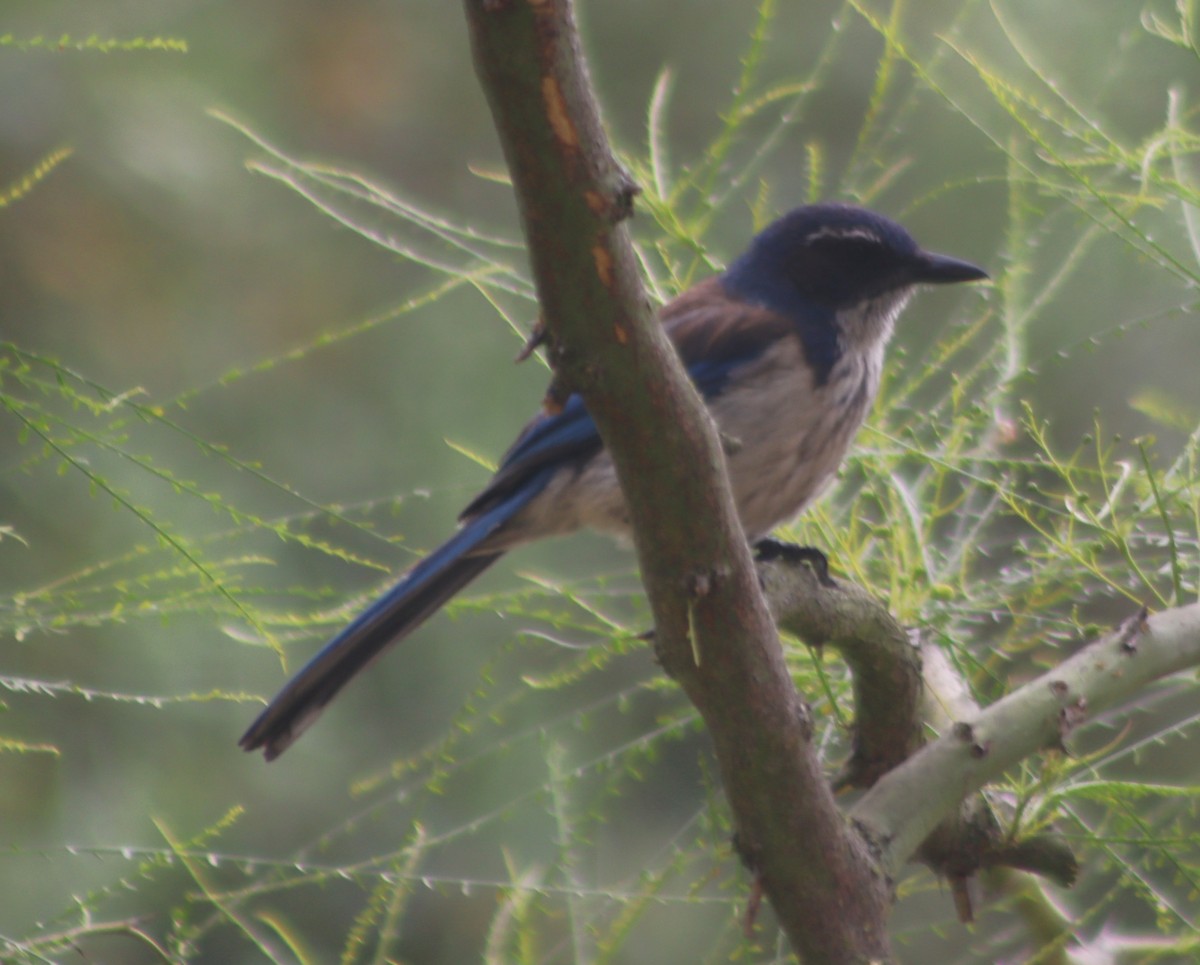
[[943, 270]]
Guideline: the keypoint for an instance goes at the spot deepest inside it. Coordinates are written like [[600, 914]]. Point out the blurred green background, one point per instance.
[[153, 262]]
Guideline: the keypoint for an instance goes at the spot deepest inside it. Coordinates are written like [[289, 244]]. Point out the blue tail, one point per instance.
[[396, 614]]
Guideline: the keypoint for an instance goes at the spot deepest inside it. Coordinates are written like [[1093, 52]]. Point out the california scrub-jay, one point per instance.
[[786, 348]]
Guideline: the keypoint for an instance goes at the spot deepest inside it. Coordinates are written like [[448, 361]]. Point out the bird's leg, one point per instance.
[[776, 549]]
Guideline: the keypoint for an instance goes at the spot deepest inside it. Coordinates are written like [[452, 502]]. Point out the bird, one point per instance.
[[786, 347]]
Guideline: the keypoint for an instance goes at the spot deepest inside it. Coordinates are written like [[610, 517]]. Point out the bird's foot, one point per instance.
[[776, 549]]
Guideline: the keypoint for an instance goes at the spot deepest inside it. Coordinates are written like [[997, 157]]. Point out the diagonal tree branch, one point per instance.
[[714, 632], [902, 809]]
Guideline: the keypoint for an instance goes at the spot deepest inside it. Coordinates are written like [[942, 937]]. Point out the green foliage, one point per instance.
[[27, 182], [103, 45], [554, 790]]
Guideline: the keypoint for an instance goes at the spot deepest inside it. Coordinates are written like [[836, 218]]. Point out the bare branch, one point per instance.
[[903, 808]]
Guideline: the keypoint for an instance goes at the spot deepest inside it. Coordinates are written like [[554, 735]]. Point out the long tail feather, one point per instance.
[[396, 614]]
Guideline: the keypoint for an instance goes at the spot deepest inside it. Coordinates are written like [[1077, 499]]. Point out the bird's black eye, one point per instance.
[[861, 253], [842, 267]]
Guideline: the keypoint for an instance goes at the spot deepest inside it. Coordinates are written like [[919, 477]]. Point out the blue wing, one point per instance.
[[550, 440]]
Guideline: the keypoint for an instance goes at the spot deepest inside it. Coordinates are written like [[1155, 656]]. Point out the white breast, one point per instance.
[[787, 436]]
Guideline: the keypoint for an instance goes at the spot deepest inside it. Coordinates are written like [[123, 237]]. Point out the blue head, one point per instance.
[[831, 261]]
